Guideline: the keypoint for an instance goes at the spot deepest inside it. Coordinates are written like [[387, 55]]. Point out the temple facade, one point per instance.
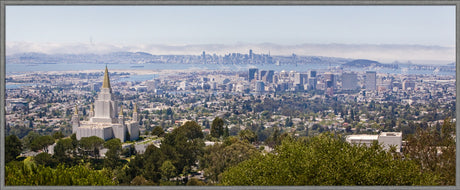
[[105, 120]]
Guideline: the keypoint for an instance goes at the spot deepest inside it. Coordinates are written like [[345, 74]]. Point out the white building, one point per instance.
[[385, 139], [388, 139], [104, 122]]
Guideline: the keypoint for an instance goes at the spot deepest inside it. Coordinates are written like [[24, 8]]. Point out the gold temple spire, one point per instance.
[[135, 107], [92, 107], [106, 82], [121, 110], [76, 110]]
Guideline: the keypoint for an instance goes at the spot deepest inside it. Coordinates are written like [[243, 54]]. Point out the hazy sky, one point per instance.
[[179, 25]]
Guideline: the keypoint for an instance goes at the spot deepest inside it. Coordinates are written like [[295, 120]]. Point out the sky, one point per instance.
[[420, 34], [185, 25]]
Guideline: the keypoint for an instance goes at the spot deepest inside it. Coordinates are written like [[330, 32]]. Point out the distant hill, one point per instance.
[[362, 63], [368, 63]]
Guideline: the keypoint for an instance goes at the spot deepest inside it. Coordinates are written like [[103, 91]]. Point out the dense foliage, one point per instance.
[[18, 173], [434, 150], [327, 160], [13, 147], [178, 154], [221, 156], [324, 159]]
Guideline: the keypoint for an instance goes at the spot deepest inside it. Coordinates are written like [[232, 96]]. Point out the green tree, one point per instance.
[[140, 180], [195, 182], [13, 148], [45, 159], [42, 143], [183, 146], [435, 151], [167, 170], [75, 144], [150, 163], [91, 145], [274, 139], [226, 132], [21, 174], [158, 131], [217, 127], [327, 160], [112, 156], [129, 151], [63, 150], [219, 157], [247, 135], [28, 139], [58, 135]]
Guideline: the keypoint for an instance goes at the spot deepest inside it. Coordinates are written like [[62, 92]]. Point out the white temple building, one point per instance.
[[104, 121]]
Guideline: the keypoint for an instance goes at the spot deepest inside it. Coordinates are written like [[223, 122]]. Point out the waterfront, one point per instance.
[[12, 69]]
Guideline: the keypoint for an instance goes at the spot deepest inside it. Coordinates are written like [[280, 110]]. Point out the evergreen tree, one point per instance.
[[217, 127], [13, 148], [112, 156]]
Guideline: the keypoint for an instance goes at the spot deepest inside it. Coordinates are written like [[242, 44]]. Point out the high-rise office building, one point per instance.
[[203, 57], [269, 76], [262, 75], [312, 83], [298, 79], [371, 80], [260, 87], [330, 80], [408, 84], [349, 81], [252, 74], [312, 74]]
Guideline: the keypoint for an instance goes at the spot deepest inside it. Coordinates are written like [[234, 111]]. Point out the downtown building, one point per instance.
[[371, 80], [349, 81]]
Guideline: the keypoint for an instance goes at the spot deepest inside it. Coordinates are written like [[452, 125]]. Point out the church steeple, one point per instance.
[[91, 111], [76, 110], [106, 82], [121, 119]]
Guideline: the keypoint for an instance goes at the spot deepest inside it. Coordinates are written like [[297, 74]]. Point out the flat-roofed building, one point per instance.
[[385, 139], [388, 139]]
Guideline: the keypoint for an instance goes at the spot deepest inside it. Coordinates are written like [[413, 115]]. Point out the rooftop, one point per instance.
[[362, 137], [391, 134]]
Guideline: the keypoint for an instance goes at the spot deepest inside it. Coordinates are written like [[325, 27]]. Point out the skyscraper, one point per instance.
[[312, 74], [349, 81], [312, 83], [262, 75], [408, 84], [203, 57], [298, 79], [269, 77], [252, 73], [260, 87], [371, 80], [330, 80]]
